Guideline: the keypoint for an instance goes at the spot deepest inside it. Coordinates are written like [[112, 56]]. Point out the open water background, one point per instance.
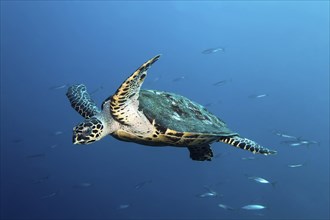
[[278, 48]]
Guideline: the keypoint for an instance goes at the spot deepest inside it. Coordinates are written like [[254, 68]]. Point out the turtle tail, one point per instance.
[[246, 144], [81, 101]]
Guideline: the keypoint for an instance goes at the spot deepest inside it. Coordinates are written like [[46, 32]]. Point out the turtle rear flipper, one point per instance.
[[201, 153], [246, 144], [81, 101], [124, 102]]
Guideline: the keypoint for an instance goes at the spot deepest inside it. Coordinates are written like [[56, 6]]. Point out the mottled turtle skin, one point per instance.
[[153, 118]]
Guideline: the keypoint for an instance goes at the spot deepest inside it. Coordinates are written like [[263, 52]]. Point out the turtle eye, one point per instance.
[[86, 131]]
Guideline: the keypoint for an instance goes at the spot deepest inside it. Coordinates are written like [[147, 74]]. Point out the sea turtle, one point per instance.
[[153, 118]]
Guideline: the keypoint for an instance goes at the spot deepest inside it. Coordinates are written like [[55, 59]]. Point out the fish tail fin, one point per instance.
[[305, 163], [274, 183]]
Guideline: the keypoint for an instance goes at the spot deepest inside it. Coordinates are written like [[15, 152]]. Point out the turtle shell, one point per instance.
[[178, 113]]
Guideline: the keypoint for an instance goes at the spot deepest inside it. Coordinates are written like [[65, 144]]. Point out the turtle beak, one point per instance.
[[78, 138]]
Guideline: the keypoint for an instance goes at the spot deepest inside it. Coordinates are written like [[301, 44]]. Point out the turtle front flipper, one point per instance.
[[127, 94], [246, 144], [81, 101], [201, 153]]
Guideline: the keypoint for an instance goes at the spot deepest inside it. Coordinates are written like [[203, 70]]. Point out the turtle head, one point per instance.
[[87, 132]]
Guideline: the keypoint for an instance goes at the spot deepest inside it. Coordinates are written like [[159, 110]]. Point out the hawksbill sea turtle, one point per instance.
[[153, 118]]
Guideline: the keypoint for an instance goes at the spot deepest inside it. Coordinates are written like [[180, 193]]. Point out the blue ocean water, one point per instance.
[[272, 79]]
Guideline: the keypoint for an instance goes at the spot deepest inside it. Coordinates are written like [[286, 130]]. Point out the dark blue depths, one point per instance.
[[270, 78]]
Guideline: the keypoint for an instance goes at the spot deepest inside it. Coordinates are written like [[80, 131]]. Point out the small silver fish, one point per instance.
[[261, 180], [248, 158], [178, 79], [123, 206], [225, 207], [142, 184], [49, 195], [210, 193], [213, 50], [253, 207], [261, 96], [295, 165], [59, 87], [289, 142], [281, 134], [56, 133], [207, 194], [258, 96], [156, 79], [53, 146], [288, 136], [308, 142], [302, 142], [82, 185], [221, 83]]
